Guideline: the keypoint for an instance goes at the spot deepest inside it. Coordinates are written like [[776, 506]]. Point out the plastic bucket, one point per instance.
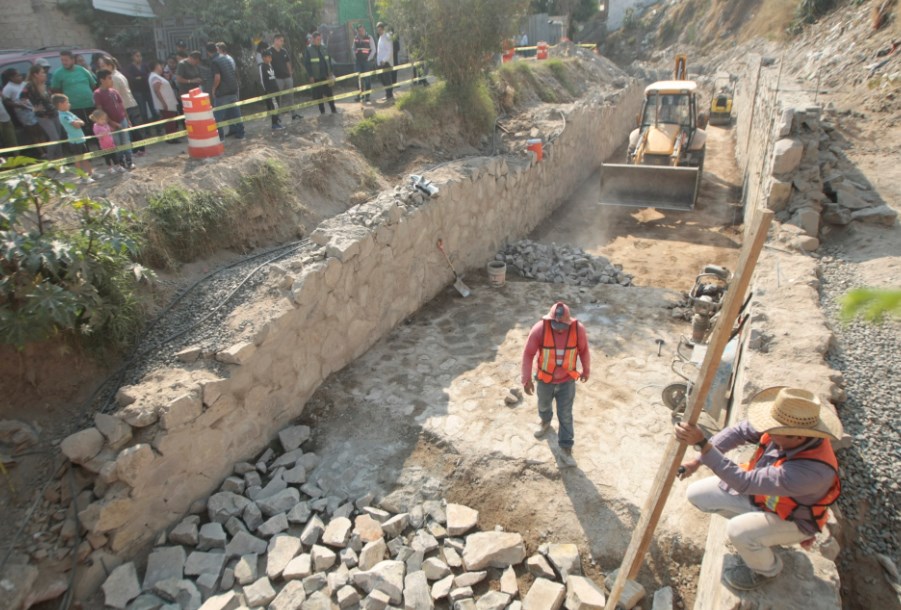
[[537, 147], [497, 273]]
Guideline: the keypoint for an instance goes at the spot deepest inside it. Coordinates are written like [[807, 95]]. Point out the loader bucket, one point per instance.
[[649, 186]]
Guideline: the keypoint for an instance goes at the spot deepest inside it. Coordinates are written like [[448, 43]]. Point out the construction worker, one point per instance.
[[364, 52], [557, 339], [782, 495], [319, 67]]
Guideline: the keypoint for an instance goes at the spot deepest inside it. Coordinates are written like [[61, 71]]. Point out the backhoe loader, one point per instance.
[[666, 150]]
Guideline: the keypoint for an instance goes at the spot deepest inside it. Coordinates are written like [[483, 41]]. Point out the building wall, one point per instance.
[[39, 23]]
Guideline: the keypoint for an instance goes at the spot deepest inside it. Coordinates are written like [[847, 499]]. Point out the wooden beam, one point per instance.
[[675, 451]]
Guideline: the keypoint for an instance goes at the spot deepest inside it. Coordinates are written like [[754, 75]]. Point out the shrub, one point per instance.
[[183, 224], [73, 275]]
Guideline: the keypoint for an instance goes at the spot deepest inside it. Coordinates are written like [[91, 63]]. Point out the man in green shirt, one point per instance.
[[78, 84]]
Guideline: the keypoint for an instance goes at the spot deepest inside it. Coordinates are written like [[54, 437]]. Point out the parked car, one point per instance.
[[23, 59]]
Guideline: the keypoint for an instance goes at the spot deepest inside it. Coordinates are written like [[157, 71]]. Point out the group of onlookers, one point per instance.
[[81, 105], [105, 105]]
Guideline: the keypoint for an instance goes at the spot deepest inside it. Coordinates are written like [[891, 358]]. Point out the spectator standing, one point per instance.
[[163, 98], [385, 59], [78, 84], [37, 94], [107, 99], [104, 133], [138, 75], [13, 84], [187, 75], [76, 141], [121, 84], [395, 54], [284, 72], [225, 88], [364, 52], [270, 85], [318, 64], [258, 54], [7, 129]]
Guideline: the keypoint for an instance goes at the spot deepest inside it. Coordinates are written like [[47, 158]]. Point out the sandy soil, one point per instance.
[[661, 248]]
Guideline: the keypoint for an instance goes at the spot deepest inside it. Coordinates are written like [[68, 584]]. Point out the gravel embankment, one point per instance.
[[195, 318], [868, 356]]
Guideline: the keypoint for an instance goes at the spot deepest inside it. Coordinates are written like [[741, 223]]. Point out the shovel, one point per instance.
[[462, 288]]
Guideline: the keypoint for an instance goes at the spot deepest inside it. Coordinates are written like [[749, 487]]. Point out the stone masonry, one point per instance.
[[180, 429]]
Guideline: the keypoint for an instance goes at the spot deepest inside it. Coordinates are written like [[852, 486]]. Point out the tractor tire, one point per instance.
[[675, 396]]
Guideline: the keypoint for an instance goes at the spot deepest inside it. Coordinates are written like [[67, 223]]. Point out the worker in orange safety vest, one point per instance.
[[782, 495], [554, 344]]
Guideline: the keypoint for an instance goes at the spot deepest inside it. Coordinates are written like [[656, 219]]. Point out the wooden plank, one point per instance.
[[675, 451]]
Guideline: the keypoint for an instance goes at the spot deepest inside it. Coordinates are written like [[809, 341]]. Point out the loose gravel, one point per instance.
[[195, 318], [867, 356]]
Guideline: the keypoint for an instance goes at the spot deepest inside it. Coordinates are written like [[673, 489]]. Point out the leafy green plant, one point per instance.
[[872, 304], [75, 275], [460, 39]]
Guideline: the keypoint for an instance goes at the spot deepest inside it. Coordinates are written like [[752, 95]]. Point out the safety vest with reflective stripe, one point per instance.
[[785, 506], [547, 357], [361, 46], [320, 54]]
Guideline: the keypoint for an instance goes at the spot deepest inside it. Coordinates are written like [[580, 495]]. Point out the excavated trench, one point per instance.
[[411, 393]]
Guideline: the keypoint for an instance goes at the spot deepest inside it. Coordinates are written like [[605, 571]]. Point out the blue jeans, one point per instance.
[[564, 394], [229, 113], [120, 138], [362, 65]]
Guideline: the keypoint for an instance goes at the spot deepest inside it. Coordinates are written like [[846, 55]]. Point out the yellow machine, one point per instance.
[[721, 102], [666, 151]]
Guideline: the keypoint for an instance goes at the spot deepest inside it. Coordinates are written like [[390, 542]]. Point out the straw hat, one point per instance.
[[792, 412]]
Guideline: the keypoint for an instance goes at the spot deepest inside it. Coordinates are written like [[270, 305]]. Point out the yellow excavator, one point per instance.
[[721, 102], [666, 150]]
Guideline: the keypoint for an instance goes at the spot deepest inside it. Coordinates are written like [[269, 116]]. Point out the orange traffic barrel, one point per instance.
[[203, 136], [508, 55], [537, 147], [542, 50]]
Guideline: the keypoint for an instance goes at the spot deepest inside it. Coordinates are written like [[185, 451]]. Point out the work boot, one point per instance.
[[743, 578], [543, 428], [566, 456]]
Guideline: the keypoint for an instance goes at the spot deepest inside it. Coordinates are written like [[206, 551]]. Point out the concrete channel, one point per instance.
[[409, 390]]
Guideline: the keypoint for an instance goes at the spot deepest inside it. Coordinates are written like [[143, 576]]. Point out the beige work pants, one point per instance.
[[752, 531]]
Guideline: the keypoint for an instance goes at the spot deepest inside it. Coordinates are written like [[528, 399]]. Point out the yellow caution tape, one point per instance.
[[45, 165]]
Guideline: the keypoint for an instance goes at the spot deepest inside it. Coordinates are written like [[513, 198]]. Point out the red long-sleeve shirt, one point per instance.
[[110, 102], [533, 345]]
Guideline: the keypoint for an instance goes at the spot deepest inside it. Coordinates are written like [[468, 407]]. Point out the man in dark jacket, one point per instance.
[[319, 67], [270, 85], [364, 52], [225, 88]]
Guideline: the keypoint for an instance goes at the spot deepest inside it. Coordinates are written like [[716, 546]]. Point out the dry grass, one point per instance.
[[770, 19]]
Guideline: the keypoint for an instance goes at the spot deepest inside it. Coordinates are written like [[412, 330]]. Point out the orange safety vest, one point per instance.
[[784, 506], [547, 357]]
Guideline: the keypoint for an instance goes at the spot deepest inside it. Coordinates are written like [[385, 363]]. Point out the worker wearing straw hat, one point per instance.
[[781, 496]]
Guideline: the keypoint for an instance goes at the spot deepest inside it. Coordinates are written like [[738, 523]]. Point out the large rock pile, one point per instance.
[[561, 264], [271, 538]]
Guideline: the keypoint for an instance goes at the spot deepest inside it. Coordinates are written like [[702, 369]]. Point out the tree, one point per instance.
[[238, 21], [458, 37]]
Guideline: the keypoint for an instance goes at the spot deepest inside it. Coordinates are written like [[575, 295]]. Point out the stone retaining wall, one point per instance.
[[179, 431], [777, 147]]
